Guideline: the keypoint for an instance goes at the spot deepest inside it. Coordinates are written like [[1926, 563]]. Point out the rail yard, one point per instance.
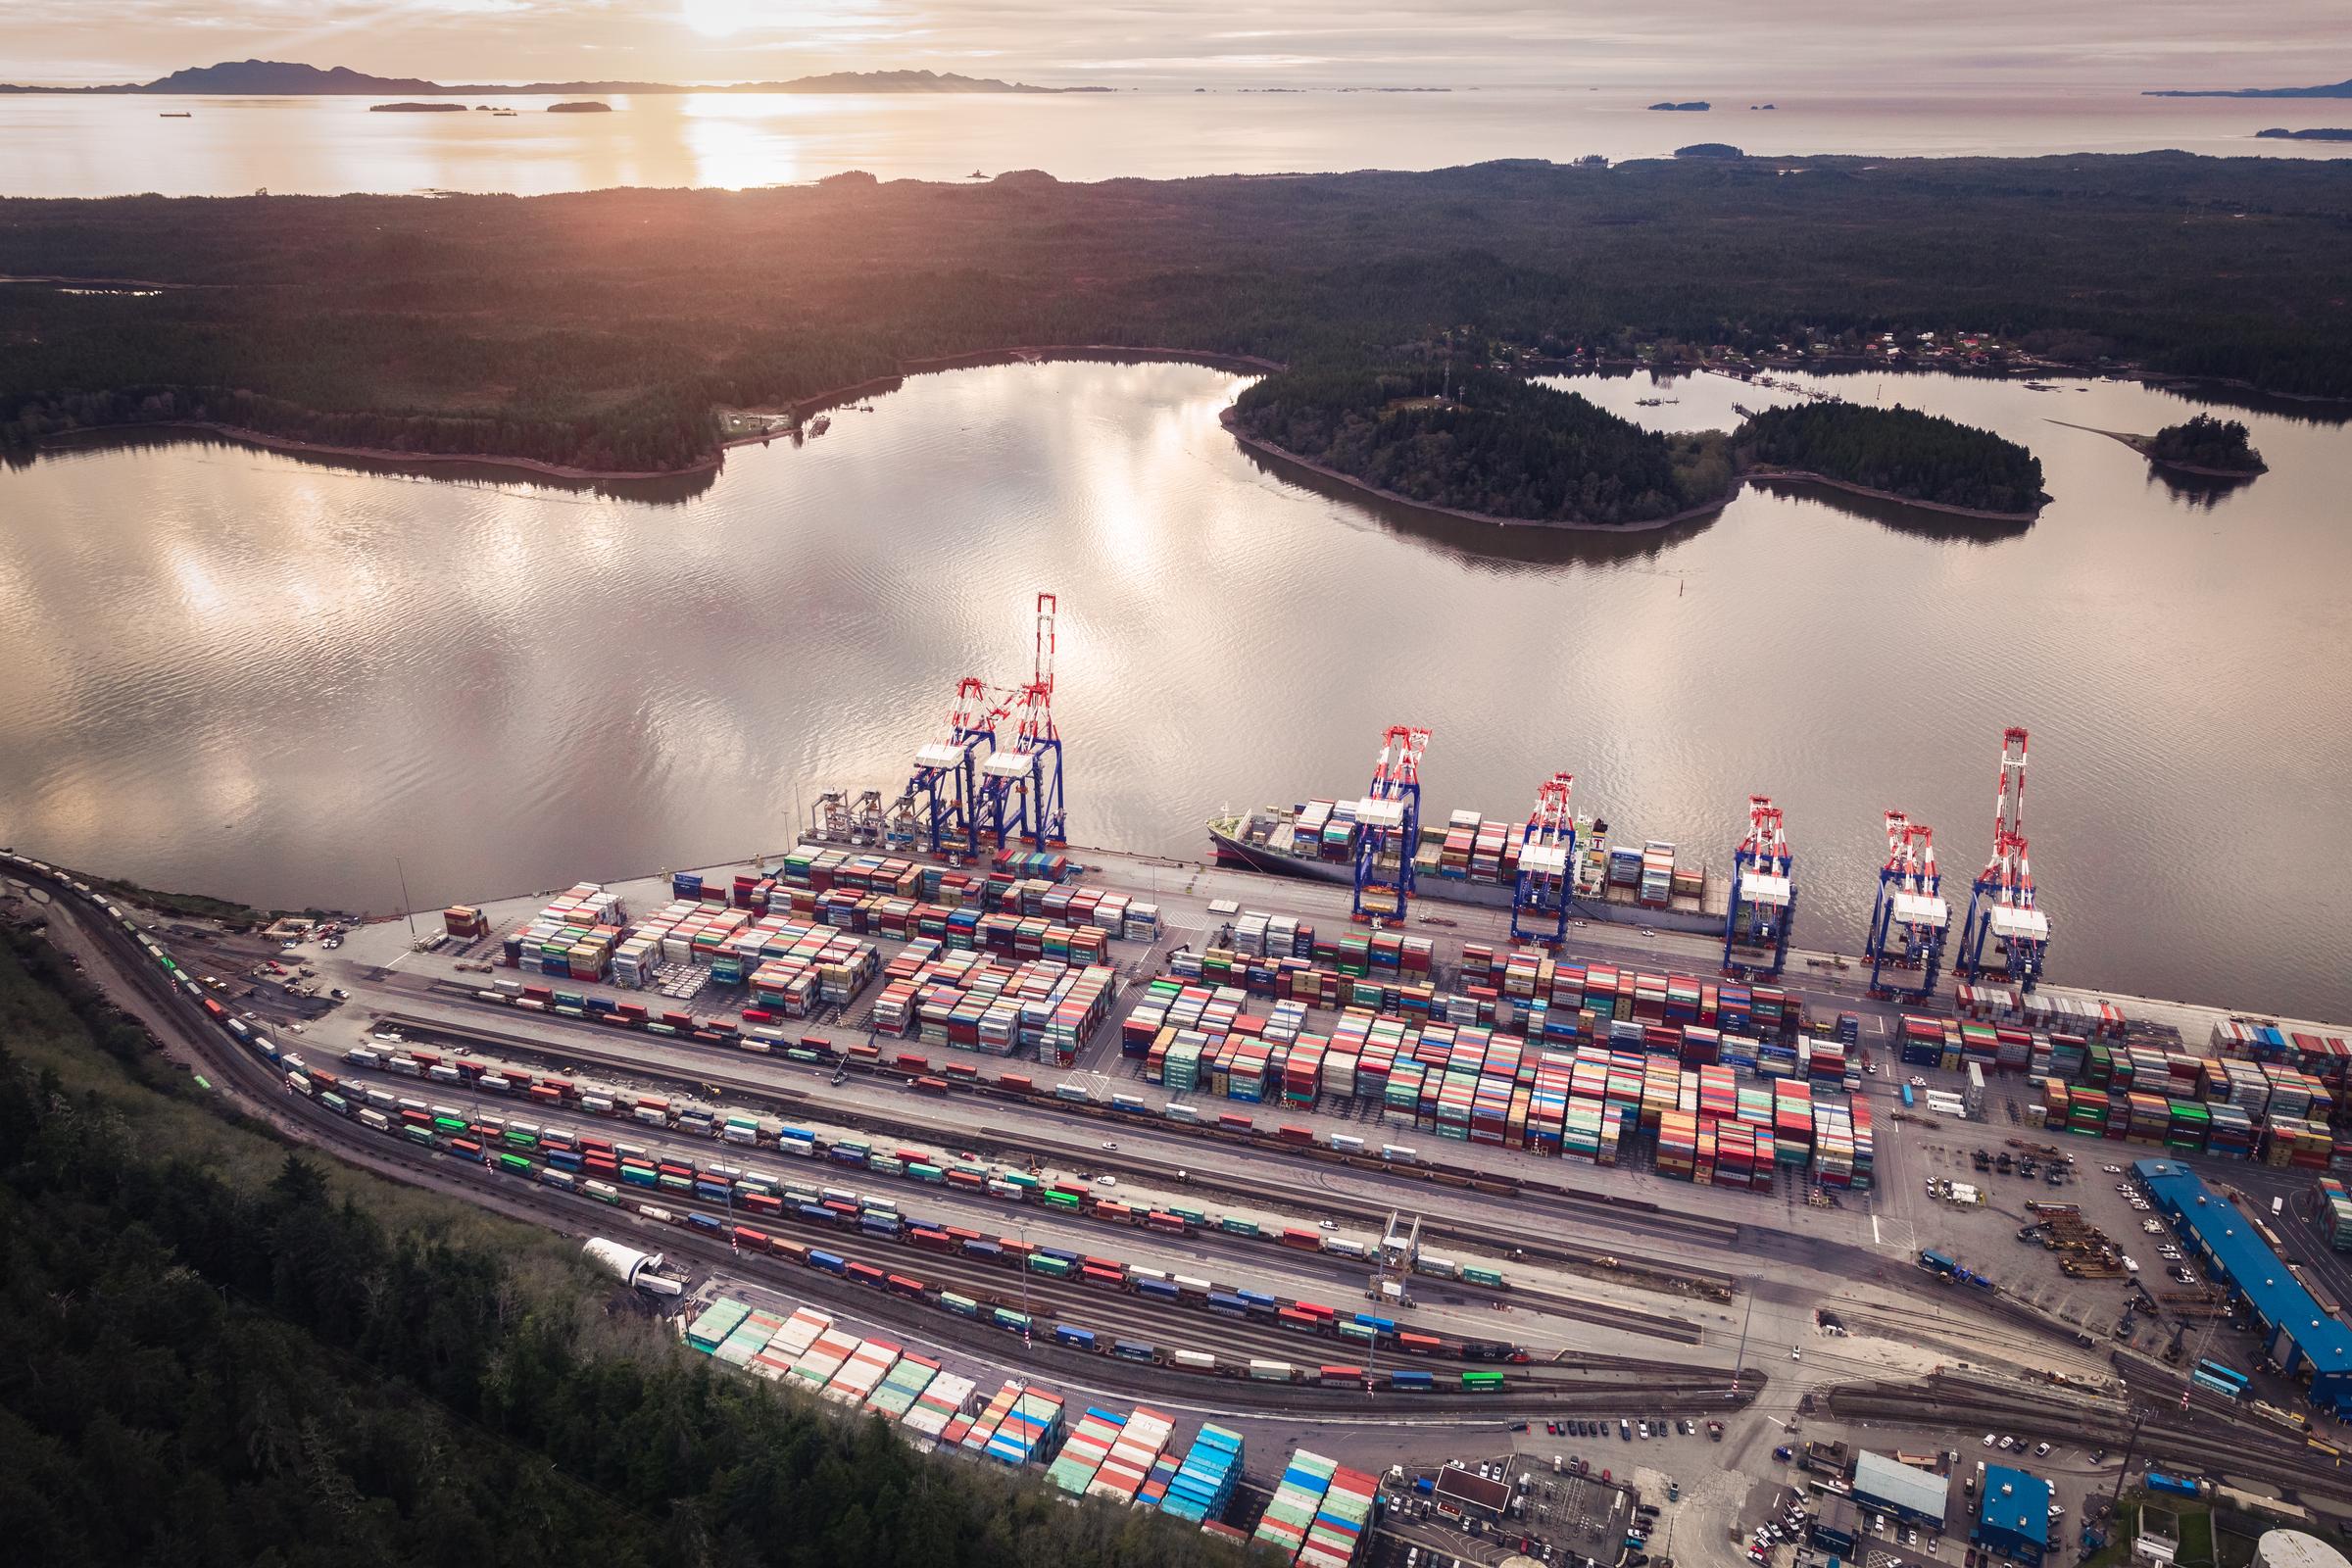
[[869, 1166]]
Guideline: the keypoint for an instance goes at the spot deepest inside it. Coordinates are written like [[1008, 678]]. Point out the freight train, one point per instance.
[[564, 1158], [580, 1163], [1003, 1182]]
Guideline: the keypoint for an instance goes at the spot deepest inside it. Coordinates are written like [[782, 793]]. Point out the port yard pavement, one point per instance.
[[1785, 1301], [377, 967]]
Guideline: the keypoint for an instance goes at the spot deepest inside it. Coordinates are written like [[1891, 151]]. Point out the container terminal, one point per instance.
[[1623, 1329], [1182, 1152]]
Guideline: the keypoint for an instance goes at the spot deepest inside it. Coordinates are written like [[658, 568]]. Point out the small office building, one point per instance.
[[2013, 1516], [1837, 1527]]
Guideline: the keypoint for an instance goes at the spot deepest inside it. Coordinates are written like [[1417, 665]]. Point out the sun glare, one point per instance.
[[718, 18]]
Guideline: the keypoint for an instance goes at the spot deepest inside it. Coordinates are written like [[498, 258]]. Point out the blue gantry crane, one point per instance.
[[942, 800], [1909, 920], [2000, 906], [1020, 787], [1546, 882], [1755, 929], [977, 788], [1389, 827]]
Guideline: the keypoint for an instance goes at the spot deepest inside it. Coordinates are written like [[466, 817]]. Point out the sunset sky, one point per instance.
[[1786, 45]]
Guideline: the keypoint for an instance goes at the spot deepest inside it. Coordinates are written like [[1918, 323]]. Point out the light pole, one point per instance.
[[1740, 1361], [2139, 1413], [1022, 1231], [405, 908]]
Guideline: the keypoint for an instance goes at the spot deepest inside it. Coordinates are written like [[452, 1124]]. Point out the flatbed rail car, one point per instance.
[[1345, 1147], [714, 1184], [1019, 1186], [843, 1207]]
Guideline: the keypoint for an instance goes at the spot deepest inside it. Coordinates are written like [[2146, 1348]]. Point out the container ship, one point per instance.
[[1472, 859]]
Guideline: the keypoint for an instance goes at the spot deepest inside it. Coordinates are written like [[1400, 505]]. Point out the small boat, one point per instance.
[[977, 175], [820, 425], [175, 114]]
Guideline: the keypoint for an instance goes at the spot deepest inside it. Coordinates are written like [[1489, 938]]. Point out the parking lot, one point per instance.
[[1567, 1519]]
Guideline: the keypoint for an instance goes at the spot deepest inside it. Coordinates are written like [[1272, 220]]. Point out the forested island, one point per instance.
[[407, 325], [1495, 447], [415, 109], [2332, 90], [1478, 444], [222, 1353], [292, 79], [2203, 444], [1899, 453], [2316, 134]]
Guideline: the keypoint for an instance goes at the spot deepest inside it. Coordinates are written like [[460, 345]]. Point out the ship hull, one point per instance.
[[1232, 850]]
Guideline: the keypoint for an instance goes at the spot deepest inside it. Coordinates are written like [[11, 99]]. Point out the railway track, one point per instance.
[[1498, 1240], [2207, 1440], [1644, 1386], [1345, 1273], [999, 1285]]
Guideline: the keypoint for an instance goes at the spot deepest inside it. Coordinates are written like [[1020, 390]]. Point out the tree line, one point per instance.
[[2202, 441], [601, 329], [1919, 457], [1483, 442], [204, 1374]]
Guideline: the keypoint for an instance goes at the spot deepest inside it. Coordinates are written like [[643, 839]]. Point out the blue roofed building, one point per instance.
[[2013, 1516], [2298, 1335]]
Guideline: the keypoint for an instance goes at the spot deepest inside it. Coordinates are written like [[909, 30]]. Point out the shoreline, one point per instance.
[[1648, 526], [2201, 471], [798, 408], [1739, 481], [1807, 477]]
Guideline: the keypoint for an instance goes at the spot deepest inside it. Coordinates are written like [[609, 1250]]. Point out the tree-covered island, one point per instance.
[[2203, 444], [1487, 445]]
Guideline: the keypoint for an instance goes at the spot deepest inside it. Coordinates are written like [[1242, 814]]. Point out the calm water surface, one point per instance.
[[108, 146], [238, 673]]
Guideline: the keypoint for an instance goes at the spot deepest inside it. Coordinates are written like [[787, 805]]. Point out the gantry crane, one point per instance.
[[1546, 880], [1020, 787], [1909, 920], [2000, 906], [1389, 827], [942, 795], [1755, 929], [968, 792]]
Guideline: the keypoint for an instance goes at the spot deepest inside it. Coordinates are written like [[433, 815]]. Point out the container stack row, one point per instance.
[[573, 937], [971, 1002], [1478, 1085], [1320, 1514], [1205, 1476]]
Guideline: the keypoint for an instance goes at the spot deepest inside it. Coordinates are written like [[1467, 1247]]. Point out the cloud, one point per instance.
[[1693, 45]]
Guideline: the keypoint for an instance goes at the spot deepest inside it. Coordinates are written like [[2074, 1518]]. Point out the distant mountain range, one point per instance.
[[282, 78], [2337, 89]]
